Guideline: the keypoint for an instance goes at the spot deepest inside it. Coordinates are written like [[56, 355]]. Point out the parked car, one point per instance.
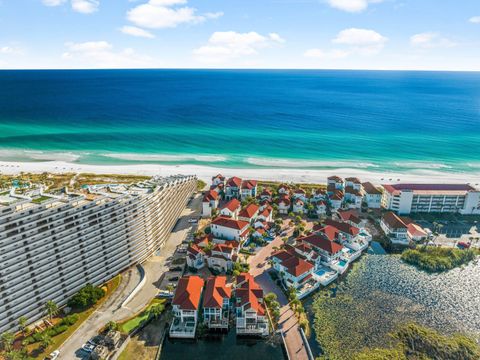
[[53, 355], [165, 294], [173, 278], [175, 268], [193, 221], [463, 245], [88, 348]]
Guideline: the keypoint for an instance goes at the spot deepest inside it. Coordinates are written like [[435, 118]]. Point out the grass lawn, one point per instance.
[[58, 340], [40, 199], [130, 324]]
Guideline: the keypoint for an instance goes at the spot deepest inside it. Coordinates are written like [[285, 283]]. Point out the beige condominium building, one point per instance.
[[51, 245]]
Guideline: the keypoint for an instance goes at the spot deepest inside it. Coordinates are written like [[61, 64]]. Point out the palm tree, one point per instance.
[[22, 324], [7, 340], [112, 325], [52, 308], [45, 340]]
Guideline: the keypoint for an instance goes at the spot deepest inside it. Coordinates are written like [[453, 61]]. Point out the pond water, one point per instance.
[[385, 292], [227, 346]]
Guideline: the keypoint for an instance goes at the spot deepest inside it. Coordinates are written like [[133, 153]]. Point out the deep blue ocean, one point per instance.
[[379, 120]]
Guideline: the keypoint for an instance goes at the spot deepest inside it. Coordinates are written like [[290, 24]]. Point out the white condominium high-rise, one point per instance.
[[51, 245]]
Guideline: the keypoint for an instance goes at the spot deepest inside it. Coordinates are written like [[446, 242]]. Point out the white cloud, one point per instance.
[[85, 6], [355, 41], [9, 50], [100, 54], [428, 40], [326, 55], [135, 31], [475, 20], [158, 14], [53, 2], [227, 45], [352, 5]]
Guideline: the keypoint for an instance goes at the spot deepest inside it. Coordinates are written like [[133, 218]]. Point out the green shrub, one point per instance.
[[87, 296], [433, 259], [69, 320]]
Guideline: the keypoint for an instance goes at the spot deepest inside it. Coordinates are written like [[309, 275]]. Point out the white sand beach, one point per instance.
[[205, 172]]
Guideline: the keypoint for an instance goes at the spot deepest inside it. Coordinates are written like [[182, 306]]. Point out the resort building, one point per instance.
[[372, 196], [185, 306], [353, 197], [231, 209], [293, 270], [335, 183], [224, 228], [351, 217], [284, 190], [321, 208], [51, 245], [216, 303], [336, 199], [250, 312], [298, 206], [222, 256], [329, 251], [266, 195], [436, 198], [283, 205], [218, 179], [209, 202]]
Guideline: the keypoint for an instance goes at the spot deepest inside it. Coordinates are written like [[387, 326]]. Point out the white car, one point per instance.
[[53, 355], [88, 348], [192, 221]]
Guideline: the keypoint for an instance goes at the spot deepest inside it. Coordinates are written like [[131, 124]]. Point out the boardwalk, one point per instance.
[[288, 321]]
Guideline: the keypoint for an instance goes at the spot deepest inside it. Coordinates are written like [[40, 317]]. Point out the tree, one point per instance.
[[7, 340], [22, 324], [156, 310], [52, 308], [111, 325], [45, 340]]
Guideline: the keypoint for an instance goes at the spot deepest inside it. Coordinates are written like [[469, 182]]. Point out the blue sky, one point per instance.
[[341, 34]]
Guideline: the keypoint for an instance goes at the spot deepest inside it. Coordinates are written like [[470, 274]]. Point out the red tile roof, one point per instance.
[[210, 195], [215, 291], [337, 195], [297, 266], [419, 188], [234, 181], [230, 223], [354, 180], [218, 176], [188, 293], [343, 227], [351, 190], [232, 205], [371, 189], [322, 242], [249, 293], [349, 215], [336, 178], [394, 221], [249, 184], [249, 211], [331, 232], [194, 249]]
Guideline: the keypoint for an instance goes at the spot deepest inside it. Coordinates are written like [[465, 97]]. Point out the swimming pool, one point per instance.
[[342, 263], [320, 272]]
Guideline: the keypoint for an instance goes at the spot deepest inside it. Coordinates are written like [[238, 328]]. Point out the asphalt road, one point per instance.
[[112, 309]]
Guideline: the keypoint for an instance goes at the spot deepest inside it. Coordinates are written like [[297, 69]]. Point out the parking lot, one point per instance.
[[451, 232]]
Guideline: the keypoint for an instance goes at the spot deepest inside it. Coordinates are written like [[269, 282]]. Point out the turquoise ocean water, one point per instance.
[[373, 120]]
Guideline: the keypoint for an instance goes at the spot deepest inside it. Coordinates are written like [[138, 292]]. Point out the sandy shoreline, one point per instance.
[[206, 172]]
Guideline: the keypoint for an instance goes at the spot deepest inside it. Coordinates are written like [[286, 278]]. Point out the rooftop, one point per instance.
[[188, 293]]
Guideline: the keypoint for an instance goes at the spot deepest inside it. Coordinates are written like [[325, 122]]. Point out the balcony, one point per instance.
[[183, 329]]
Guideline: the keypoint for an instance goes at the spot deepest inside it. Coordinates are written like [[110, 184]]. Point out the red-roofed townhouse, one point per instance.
[[224, 228], [231, 209], [335, 183], [266, 214], [300, 194], [216, 302], [372, 195], [298, 206], [321, 208], [351, 217], [266, 194], [283, 205], [195, 257], [308, 253], [353, 197], [284, 190], [232, 188], [249, 189], [329, 251], [395, 228], [250, 312], [218, 179], [209, 202], [354, 182], [185, 306], [319, 194], [222, 256], [293, 270], [249, 213], [336, 199], [346, 231]]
